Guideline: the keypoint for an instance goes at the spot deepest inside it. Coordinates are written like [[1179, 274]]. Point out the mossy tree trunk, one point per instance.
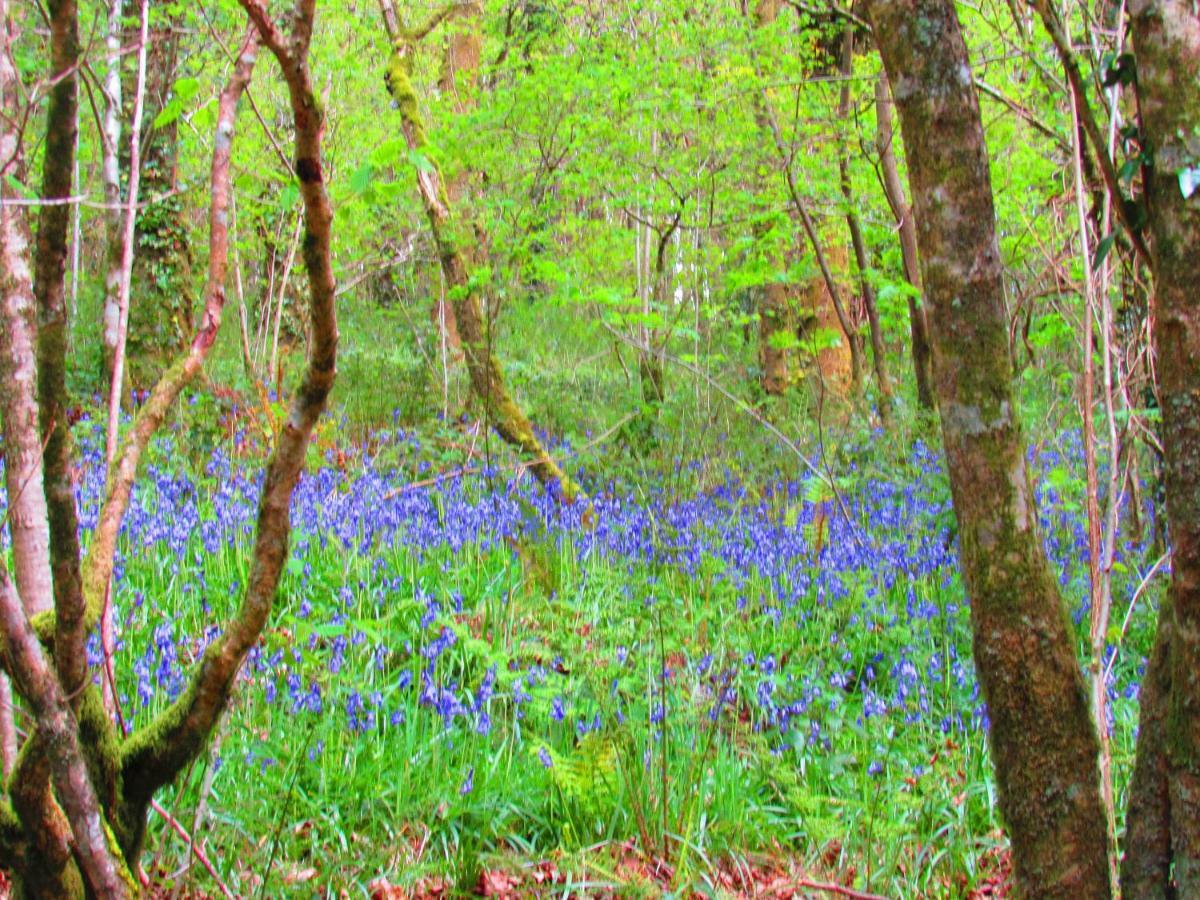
[[73, 817], [456, 242], [1164, 813], [1042, 736], [459, 79], [161, 319]]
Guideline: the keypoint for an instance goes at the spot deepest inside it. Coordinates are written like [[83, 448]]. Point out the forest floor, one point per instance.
[[468, 690]]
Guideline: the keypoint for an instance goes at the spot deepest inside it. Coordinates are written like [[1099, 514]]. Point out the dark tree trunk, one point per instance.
[[1042, 736]]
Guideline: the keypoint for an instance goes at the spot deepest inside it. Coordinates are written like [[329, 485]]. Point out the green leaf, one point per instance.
[[1102, 249], [172, 111], [421, 161], [186, 88], [1189, 181], [360, 181]]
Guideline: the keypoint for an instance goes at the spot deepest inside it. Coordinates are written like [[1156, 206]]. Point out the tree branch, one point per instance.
[[49, 289], [98, 857], [98, 566], [155, 755], [1091, 128]]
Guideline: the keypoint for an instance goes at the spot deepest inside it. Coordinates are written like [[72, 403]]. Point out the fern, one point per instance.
[[585, 776]]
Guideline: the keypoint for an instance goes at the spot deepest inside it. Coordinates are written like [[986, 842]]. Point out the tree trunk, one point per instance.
[[922, 354], [162, 263], [878, 354], [458, 77], [111, 174], [1049, 788], [775, 318], [487, 379], [1166, 40], [26, 513]]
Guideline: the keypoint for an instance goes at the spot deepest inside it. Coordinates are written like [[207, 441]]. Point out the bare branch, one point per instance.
[[99, 564], [154, 756]]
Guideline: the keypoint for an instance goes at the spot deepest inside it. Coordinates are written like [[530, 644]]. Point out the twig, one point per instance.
[[195, 848], [1129, 612], [838, 889]]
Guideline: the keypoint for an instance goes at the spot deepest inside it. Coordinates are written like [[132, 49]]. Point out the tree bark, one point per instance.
[[49, 286], [1041, 731], [58, 744], [155, 755], [487, 380], [74, 746], [111, 174], [878, 353], [97, 569], [108, 635], [922, 355], [1166, 40], [26, 512], [161, 320]]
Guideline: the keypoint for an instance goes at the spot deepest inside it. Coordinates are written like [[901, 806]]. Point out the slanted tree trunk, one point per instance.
[[1164, 811], [861, 259], [922, 354], [458, 79], [1041, 731], [454, 240]]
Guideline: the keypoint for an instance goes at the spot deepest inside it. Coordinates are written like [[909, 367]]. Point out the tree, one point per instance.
[[74, 814], [1163, 831], [1049, 788], [922, 356], [458, 245], [857, 241]]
